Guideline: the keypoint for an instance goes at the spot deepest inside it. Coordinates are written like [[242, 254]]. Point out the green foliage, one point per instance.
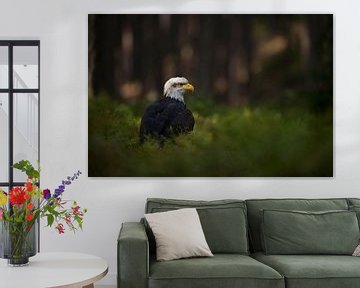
[[227, 141], [26, 167], [50, 219]]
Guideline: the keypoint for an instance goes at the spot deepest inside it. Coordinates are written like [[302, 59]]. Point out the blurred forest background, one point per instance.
[[263, 101]]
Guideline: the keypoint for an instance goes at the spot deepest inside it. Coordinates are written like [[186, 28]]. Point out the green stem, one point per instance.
[[18, 237]]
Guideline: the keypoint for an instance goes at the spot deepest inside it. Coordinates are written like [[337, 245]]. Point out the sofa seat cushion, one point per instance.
[[313, 271], [222, 270]]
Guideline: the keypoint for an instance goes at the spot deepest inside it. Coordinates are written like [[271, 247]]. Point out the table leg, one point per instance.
[[89, 286]]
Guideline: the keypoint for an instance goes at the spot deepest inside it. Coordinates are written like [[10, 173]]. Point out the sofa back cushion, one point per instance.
[[298, 232], [354, 205], [256, 205], [223, 221], [353, 201]]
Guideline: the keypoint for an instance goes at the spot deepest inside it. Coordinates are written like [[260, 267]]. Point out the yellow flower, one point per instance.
[[3, 198]]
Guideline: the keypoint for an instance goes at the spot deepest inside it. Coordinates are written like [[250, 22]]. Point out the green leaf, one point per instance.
[[79, 221], [28, 168], [50, 219], [53, 211]]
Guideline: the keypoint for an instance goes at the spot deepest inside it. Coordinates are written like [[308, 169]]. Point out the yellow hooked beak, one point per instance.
[[188, 88]]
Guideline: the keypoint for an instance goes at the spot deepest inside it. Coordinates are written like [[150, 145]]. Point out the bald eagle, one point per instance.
[[168, 116]]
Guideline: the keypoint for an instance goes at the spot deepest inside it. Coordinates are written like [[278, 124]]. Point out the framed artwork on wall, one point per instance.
[[233, 95]]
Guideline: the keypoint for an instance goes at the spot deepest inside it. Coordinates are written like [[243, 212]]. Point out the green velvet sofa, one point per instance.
[[234, 230]]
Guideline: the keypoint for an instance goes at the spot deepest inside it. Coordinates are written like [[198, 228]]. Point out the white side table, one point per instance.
[[60, 270]]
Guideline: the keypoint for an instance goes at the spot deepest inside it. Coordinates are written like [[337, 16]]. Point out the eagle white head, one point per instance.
[[177, 87]]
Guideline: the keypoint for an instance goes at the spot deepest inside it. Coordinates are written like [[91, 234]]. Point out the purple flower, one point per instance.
[[46, 194], [58, 192], [68, 181]]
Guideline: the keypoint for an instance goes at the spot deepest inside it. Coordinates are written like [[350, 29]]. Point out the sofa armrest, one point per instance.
[[133, 256]]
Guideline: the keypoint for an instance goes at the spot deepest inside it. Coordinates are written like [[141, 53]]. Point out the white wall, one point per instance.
[[62, 28]]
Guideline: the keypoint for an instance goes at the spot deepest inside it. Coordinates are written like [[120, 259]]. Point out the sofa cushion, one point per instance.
[[297, 232], [222, 270], [254, 207], [356, 209], [313, 271], [353, 201], [354, 205], [223, 221], [178, 234]]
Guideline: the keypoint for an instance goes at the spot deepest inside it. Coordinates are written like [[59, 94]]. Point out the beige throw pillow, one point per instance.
[[178, 234], [357, 251]]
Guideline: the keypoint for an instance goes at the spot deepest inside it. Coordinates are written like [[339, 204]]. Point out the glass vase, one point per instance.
[[18, 242]]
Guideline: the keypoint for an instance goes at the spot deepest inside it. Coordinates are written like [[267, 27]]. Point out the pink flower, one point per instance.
[[60, 228], [76, 210], [1, 212], [68, 219]]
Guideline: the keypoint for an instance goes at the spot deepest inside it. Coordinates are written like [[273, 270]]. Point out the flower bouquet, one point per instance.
[[23, 206]]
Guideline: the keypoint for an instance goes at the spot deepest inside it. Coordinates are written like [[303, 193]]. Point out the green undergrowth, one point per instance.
[[227, 141]]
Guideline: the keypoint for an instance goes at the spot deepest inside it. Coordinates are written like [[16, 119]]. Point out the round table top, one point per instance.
[[59, 269]]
